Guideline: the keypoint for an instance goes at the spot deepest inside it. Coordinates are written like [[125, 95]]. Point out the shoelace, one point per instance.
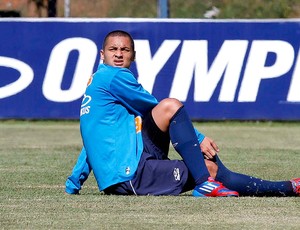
[[217, 182]]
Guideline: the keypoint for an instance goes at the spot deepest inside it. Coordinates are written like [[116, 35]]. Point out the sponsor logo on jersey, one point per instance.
[[85, 108]]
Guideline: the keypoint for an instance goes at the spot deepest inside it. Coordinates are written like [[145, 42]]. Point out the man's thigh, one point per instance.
[[156, 177], [161, 177], [155, 141]]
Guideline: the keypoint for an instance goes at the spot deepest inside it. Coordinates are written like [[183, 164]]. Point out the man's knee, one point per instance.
[[170, 106], [164, 111]]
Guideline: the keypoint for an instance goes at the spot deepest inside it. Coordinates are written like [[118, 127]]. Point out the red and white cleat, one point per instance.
[[213, 188]]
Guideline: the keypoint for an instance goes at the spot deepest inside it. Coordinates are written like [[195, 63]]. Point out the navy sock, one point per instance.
[[185, 142], [250, 186]]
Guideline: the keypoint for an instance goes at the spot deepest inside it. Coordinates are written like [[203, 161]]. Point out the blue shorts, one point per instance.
[[156, 173]]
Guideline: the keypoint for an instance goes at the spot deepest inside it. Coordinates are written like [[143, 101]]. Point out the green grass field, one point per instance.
[[37, 157]]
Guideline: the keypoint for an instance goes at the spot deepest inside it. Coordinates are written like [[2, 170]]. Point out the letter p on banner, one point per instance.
[[256, 70]]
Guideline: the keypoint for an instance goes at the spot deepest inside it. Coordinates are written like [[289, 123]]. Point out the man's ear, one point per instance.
[[133, 56], [101, 54]]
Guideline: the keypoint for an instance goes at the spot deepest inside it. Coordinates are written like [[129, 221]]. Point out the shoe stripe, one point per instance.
[[208, 188]]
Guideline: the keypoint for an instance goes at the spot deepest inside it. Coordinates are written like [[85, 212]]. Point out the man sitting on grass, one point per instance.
[[126, 134]]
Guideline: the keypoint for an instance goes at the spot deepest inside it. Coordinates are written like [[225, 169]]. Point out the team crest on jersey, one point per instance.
[[90, 80]]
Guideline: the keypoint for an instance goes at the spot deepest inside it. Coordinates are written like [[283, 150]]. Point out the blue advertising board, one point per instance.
[[220, 69]]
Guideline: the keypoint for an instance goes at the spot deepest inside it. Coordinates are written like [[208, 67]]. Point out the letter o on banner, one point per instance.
[[57, 64]]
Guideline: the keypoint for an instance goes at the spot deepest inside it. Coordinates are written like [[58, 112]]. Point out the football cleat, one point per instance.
[[296, 185], [213, 188]]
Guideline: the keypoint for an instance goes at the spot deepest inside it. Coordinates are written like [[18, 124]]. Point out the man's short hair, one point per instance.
[[118, 33]]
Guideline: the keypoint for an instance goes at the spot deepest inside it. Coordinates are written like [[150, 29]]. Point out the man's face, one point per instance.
[[118, 52]]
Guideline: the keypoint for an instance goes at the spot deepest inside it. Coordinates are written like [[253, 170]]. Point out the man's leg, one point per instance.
[[250, 186], [182, 135], [170, 115]]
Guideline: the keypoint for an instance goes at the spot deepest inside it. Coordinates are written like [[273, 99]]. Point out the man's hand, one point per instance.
[[209, 148]]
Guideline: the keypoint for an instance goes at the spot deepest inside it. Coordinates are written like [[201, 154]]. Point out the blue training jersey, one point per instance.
[[110, 117], [112, 102]]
